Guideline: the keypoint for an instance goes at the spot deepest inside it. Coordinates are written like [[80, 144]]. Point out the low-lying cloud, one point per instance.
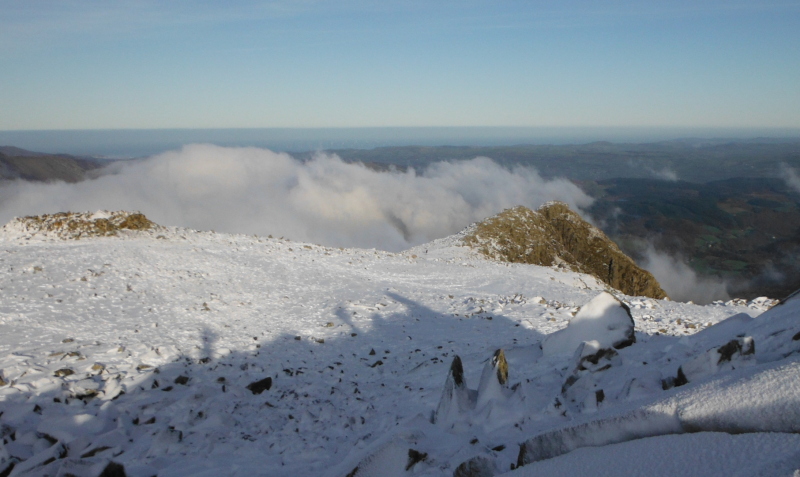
[[324, 200], [681, 282], [791, 177]]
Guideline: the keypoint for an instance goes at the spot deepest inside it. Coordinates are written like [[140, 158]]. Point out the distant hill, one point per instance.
[[693, 160], [746, 229], [16, 163]]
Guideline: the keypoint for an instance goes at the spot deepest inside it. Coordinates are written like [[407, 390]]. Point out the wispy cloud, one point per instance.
[[791, 177]]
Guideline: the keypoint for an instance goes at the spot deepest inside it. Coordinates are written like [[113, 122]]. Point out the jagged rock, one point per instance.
[[456, 397], [604, 319], [259, 387], [555, 235], [478, 466], [494, 379]]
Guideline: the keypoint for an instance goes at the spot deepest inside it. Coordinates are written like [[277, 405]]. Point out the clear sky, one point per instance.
[[75, 64]]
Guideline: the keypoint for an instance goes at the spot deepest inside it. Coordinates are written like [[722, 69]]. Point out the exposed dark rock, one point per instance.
[[457, 371], [259, 387], [94, 452], [182, 380], [113, 469], [599, 395], [501, 365], [582, 384], [352, 473], [555, 235], [742, 347], [675, 382], [494, 379], [415, 456], [733, 354], [7, 471], [456, 397]]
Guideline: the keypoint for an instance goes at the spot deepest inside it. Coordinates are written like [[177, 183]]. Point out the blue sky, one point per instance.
[[72, 64]]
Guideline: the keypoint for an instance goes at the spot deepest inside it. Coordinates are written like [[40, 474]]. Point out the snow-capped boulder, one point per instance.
[[604, 319]]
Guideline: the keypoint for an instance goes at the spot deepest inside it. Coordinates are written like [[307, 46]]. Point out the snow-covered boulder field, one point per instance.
[[164, 351]]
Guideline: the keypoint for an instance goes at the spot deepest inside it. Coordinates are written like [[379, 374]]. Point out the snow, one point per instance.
[[701, 454], [138, 349], [604, 319]]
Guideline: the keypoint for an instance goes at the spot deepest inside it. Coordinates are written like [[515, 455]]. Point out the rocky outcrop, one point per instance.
[[555, 235], [72, 225]]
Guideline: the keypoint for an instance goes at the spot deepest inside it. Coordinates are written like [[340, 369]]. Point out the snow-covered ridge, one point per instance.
[[212, 354]]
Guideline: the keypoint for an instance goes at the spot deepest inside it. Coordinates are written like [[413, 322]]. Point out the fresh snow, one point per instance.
[[139, 349]]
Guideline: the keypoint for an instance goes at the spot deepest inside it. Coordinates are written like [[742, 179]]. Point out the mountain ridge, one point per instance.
[[556, 235]]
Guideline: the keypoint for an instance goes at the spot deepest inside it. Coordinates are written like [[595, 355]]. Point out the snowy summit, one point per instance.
[[128, 348]]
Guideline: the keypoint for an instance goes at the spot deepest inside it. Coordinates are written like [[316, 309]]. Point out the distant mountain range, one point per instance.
[[16, 163]]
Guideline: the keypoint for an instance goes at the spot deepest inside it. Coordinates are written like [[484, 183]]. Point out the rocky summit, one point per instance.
[[554, 235]]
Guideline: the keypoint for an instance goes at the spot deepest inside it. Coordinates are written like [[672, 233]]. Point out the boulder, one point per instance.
[[258, 387], [604, 319]]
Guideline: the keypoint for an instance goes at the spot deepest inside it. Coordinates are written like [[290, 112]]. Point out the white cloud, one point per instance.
[[681, 282], [791, 177], [324, 200]]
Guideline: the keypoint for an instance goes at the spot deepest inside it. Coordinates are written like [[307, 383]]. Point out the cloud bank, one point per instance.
[[324, 200]]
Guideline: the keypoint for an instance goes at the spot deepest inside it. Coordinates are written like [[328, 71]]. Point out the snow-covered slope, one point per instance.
[[176, 352]]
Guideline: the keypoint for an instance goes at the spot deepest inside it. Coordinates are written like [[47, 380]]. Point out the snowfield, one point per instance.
[[175, 352]]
